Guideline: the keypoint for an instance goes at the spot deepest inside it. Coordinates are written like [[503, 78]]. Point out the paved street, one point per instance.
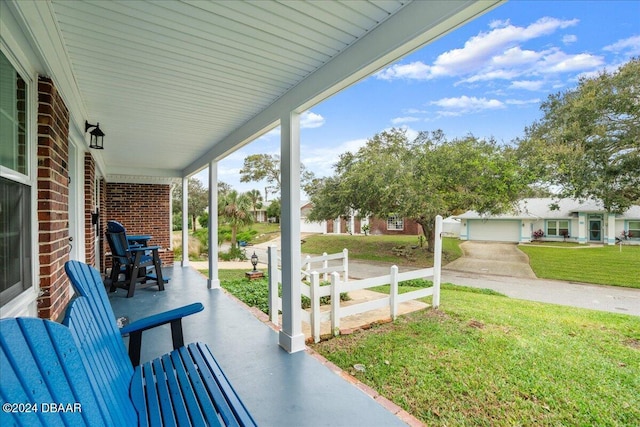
[[607, 298]]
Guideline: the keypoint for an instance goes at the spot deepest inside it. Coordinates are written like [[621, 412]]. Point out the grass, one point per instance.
[[492, 361], [380, 248], [604, 265]]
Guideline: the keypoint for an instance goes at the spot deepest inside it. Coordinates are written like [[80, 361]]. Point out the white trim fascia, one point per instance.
[[402, 33], [139, 179], [37, 21]]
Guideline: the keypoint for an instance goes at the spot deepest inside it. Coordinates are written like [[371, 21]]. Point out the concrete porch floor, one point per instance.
[[278, 388]]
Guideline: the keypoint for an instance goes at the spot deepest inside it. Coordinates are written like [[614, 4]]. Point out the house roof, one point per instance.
[[539, 208], [176, 85]]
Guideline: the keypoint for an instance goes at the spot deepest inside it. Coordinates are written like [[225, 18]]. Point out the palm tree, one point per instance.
[[235, 210], [256, 202]]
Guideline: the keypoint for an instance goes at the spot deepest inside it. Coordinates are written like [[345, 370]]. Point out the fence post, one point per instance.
[[325, 265], [345, 264], [315, 305], [437, 262], [393, 292], [273, 283], [335, 303], [307, 264]]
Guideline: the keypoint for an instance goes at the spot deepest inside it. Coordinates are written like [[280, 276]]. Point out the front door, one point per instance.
[[595, 230]]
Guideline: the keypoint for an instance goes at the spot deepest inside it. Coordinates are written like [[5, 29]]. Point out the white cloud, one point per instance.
[[569, 38], [414, 70], [629, 46], [560, 62], [310, 120], [522, 101], [531, 85], [408, 119], [466, 104], [498, 55]]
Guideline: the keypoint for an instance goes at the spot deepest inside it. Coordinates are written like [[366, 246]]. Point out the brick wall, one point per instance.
[[142, 209], [53, 200], [379, 226]]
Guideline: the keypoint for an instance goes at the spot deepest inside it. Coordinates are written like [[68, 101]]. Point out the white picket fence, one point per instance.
[[314, 291]]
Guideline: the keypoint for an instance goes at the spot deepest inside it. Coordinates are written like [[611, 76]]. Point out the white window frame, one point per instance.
[[635, 231], [558, 227], [24, 304], [395, 223]]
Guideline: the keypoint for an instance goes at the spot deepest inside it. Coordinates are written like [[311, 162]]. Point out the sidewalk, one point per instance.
[[613, 299]]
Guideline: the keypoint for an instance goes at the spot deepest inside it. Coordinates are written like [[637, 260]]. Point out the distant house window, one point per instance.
[[634, 228], [557, 228], [15, 191], [395, 222]]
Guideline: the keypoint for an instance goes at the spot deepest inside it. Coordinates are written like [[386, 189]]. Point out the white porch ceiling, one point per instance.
[[176, 84]]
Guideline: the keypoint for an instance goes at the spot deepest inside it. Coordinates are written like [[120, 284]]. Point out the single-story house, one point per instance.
[[356, 225], [553, 220]]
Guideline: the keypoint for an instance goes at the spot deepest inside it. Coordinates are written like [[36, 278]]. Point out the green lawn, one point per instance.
[[492, 361], [380, 248], [604, 265]]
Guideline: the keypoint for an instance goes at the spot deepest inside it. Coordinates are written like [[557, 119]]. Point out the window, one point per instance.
[[13, 102], [633, 227], [394, 222], [15, 193], [557, 228]]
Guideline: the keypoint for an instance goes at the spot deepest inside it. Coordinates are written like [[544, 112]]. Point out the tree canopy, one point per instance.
[[420, 179], [234, 210], [266, 167], [197, 202], [587, 144]]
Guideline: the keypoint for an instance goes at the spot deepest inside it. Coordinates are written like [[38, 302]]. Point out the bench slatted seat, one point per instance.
[[184, 387]]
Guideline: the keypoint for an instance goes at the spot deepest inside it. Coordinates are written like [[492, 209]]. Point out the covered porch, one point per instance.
[[278, 388], [175, 87]]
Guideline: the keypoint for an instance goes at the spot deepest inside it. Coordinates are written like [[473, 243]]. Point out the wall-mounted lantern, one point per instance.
[[97, 136]]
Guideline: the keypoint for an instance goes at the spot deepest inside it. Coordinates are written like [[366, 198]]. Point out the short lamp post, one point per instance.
[[254, 261], [255, 273]]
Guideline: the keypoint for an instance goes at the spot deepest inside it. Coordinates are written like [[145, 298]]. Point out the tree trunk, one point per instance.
[[429, 232], [193, 222], [234, 234]]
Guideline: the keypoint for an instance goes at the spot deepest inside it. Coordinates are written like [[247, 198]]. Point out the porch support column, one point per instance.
[[582, 227], [213, 281], [611, 229], [291, 337], [185, 221]]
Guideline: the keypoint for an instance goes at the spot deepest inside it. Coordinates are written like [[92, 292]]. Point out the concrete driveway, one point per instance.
[[503, 259]]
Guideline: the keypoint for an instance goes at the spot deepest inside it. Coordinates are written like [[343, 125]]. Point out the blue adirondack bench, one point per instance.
[[137, 263], [44, 363], [76, 376], [87, 282]]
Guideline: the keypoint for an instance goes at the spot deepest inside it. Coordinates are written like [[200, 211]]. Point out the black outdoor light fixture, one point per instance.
[[97, 136], [254, 261]]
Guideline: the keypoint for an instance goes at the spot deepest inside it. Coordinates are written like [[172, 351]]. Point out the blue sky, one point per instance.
[[487, 78]]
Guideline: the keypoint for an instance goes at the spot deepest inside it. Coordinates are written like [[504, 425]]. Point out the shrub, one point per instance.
[[233, 254]]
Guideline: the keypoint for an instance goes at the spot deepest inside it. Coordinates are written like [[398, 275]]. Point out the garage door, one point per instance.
[[494, 230]]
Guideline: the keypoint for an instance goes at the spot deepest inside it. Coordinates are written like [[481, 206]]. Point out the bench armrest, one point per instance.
[[174, 317], [144, 248]]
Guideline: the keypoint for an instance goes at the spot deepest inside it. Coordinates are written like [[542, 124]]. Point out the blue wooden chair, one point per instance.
[[54, 375], [40, 365], [136, 263], [87, 282]]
